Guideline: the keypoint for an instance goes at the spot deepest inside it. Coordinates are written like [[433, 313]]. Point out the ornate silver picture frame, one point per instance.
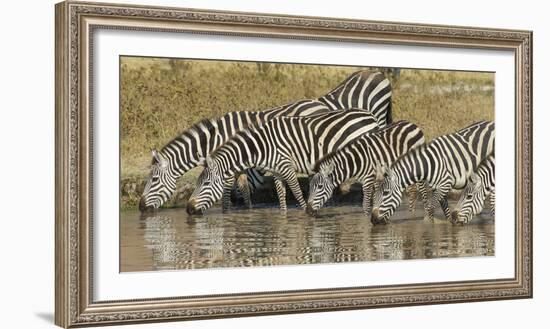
[[76, 23]]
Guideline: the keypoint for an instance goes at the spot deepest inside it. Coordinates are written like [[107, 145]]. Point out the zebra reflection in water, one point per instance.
[[264, 237]]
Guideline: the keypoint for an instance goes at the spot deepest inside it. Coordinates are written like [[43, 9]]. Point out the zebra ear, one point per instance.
[[380, 172], [476, 180], [392, 176], [160, 158], [328, 169], [210, 162], [201, 159]]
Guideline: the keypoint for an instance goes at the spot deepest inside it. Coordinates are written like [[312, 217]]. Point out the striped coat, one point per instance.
[[446, 162], [283, 146], [189, 149], [359, 159], [480, 186]]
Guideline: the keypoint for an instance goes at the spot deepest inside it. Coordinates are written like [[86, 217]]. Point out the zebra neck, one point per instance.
[[410, 169], [346, 166], [380, 151], [233, 159], [203, 138], [233, 165]]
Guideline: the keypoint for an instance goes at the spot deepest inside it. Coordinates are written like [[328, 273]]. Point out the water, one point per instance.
[[171, 239]]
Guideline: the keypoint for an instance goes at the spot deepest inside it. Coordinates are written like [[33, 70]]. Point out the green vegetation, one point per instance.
[[162, 97]]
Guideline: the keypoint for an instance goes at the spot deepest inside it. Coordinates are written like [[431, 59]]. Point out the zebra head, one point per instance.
[[321, 187], [471, 201], [387, 197], [209, 188], [160, 185]]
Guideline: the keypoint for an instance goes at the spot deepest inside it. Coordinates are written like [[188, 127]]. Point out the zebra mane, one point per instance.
[[473, 127], [417, 149], [378, 133], [326, 158], [208, 122], [364, 73], [211, 124], [253, 126], [487, 159]]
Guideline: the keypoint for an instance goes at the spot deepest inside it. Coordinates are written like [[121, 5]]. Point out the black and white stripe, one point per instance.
[[359, 159], [283, 146], [191, 147], [480, 186], [446, 162], [364, 90]]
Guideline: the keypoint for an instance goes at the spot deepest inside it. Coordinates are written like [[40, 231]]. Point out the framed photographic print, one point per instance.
[[216, 164]]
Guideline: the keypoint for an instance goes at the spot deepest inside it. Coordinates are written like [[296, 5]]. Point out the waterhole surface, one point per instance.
[[171, 239]]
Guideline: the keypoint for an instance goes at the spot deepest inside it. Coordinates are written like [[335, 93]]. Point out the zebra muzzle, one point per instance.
[[454, 216], [191, 207], [143, 207], [310, 211], [374, 216]]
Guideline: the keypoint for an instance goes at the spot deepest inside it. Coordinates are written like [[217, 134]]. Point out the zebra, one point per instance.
[[184, 152], [189, 149], [470, 133], [358, 160], [480, 185], [283, 146], [444, 163], [364, 90]]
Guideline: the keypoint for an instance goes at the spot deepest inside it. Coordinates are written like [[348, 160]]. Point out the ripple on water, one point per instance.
[[172, 240]]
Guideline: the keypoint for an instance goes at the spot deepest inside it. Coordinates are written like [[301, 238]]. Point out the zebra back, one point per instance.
[[481, 138], [394, 141], [365, 90], [306, 107], [198, 141], [381, 147], [302, 139], [284, 146]]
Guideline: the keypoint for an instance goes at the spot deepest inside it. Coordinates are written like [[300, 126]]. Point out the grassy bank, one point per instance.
[[162, 97]]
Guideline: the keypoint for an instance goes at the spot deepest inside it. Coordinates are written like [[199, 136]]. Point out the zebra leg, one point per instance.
[[368, 188], [255, 180], [440, 194], [412, 193], [244, 189], [427, 200], [281, 191], [423, 190], [289, 175], [226, 196], [429, 210], [445, 206]]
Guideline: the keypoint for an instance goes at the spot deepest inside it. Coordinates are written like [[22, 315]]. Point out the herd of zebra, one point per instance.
[[346, 134]]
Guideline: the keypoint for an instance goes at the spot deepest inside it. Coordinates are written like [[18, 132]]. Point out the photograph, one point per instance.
[[215, 163], [227, 164]]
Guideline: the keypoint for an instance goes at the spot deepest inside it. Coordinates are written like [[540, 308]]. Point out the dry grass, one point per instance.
[[441, 102], [162, 97]]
